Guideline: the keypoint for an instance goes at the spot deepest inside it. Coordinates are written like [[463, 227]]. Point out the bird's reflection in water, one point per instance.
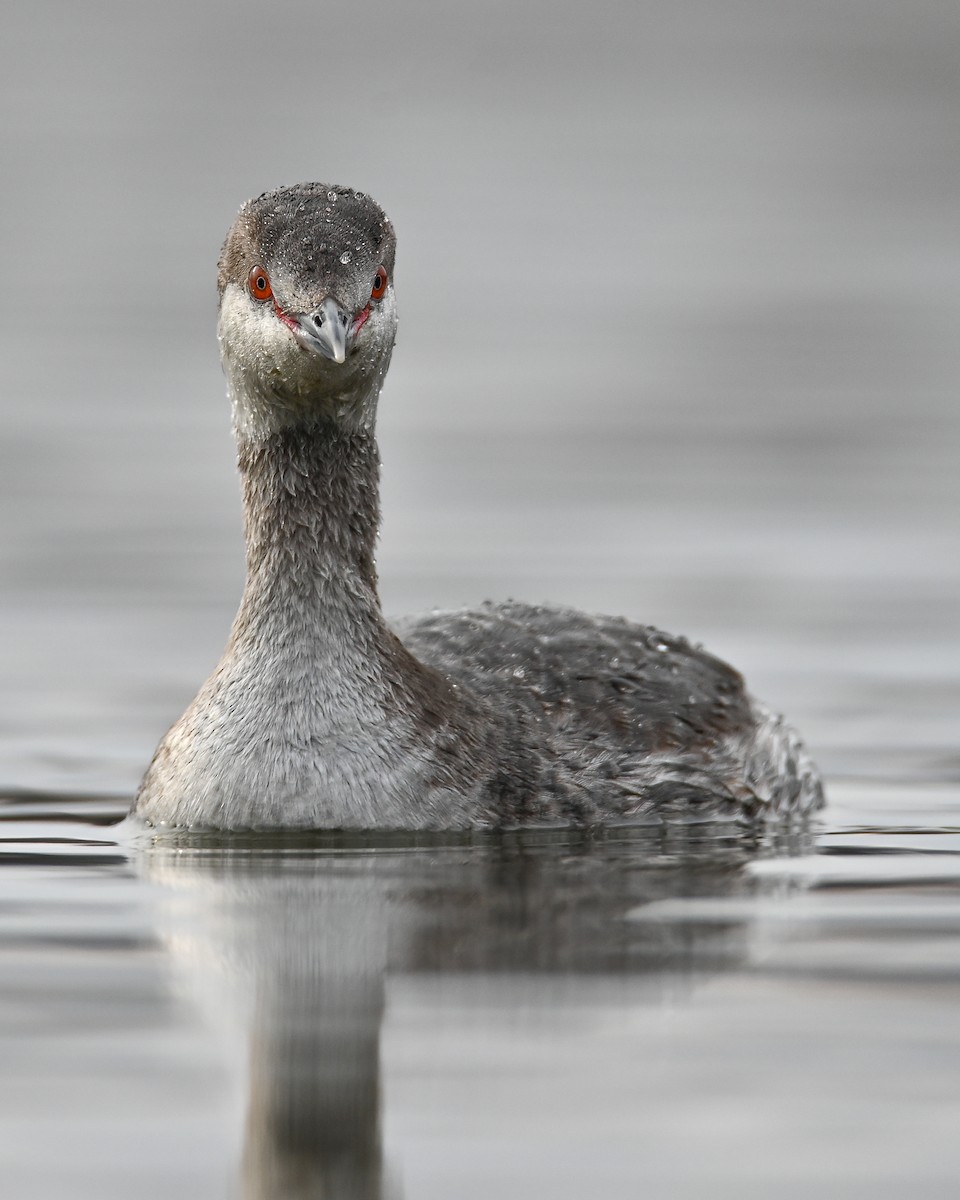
[[313, 1121], [298, 935]]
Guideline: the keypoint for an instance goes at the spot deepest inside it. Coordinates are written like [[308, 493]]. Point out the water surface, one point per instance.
[[647, 1010]]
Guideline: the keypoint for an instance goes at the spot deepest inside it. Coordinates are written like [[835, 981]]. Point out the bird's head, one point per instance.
[[307, 311]]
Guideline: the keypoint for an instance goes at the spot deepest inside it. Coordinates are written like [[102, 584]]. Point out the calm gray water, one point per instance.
[[679, 290]]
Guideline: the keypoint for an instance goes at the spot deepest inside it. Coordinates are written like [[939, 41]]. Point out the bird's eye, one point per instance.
[[259, 283], [379, 283]]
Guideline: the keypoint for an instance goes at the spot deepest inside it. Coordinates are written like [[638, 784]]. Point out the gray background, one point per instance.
[[678, 288]]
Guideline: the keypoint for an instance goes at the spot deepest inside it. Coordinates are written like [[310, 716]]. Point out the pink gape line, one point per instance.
[[287, 320], [360, 319]]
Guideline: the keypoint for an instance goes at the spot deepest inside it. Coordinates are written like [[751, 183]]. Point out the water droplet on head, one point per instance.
[[331, 195], [345, 257]]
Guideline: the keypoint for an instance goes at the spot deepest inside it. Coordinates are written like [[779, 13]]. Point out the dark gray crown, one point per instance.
[[311, 235]]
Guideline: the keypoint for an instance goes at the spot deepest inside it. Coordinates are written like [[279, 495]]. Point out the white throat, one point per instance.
[[274, 384]]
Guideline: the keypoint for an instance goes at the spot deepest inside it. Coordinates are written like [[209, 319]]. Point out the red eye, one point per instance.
[[259, 283], [379, 283]]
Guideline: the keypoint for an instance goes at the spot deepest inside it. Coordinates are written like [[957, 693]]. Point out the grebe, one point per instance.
[[319, 714]]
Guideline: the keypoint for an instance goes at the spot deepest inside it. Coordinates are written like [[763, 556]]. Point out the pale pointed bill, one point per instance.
[[324, 331]]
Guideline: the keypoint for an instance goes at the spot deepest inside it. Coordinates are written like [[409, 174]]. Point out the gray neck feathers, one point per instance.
[[311, 505], [310, 644], [310, 614]]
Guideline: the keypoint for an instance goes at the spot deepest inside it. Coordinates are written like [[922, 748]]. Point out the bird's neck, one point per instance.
[[311, 507], [310, 643]]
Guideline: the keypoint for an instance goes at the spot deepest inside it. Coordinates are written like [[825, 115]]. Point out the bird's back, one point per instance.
[[635, 720]]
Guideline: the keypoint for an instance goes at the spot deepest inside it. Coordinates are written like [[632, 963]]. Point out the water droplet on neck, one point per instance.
[[346, 257]]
